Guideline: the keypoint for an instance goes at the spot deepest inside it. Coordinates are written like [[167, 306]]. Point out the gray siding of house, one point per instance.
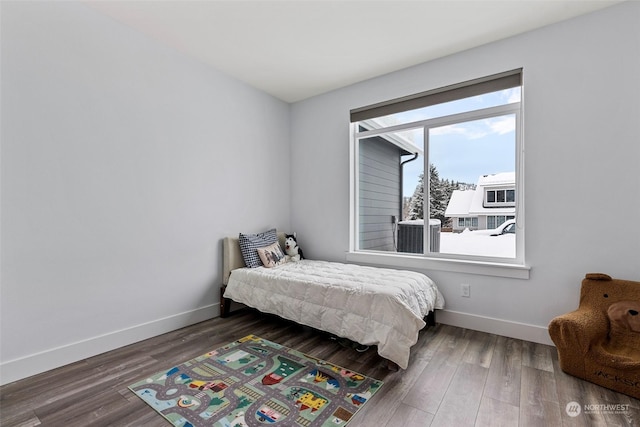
[[379, 193]]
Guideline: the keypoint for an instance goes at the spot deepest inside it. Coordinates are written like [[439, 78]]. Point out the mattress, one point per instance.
[[369, 305]]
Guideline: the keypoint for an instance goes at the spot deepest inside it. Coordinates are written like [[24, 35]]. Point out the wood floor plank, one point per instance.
[[80, 412], [539, 398], [398, 384], [537, 356], [459, 406], [27, 419], [624, 418], [29, 393], [573, 390], [433, 382], [452, 374], [408, 416], [503, 381], [496, 413], [480, 349]]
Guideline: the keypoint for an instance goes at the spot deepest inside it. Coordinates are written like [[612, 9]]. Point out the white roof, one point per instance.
[[394, 138], [460, 203], [470, 202], [497, 179]]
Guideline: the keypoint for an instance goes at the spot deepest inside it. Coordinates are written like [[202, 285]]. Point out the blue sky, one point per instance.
[[464, 151]]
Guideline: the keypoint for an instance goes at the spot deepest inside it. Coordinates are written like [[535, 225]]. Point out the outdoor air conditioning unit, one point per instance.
[[411, 236], [435, 226]]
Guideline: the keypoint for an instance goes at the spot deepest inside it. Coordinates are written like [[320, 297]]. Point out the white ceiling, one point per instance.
[[296, 49]]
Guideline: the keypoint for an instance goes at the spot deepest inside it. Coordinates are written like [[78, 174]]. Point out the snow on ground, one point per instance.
[[478, 243]]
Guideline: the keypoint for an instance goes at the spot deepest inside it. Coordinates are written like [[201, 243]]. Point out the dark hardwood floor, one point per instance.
[[456, 377]]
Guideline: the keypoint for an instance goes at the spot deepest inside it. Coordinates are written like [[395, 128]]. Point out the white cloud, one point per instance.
[[513, 95], [465, 129], [478, 129], [502, 125]]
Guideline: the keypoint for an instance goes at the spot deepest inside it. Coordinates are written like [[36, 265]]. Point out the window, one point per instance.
[[500, 198], [496, 221], [468, 223], [432, 172]]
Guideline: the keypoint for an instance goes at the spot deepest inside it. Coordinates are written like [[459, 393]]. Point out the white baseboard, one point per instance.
[[33, 364], [523, 331]]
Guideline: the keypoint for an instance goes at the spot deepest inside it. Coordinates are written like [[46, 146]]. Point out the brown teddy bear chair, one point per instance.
[[600, 341]]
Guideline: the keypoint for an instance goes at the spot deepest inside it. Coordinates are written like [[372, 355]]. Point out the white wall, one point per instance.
[[582, 187], [124, 163]]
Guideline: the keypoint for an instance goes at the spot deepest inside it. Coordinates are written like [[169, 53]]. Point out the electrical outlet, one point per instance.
[[465, 290]]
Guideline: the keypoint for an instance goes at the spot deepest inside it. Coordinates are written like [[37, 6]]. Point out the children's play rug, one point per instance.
[[255, 382]]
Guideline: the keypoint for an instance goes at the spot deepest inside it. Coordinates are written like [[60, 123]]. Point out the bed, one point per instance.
[[368, 305]]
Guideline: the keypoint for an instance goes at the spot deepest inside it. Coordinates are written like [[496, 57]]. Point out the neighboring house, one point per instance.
[[489, 205], [380, 177]]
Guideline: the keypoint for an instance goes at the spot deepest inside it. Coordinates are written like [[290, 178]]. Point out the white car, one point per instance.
[[507, 227]]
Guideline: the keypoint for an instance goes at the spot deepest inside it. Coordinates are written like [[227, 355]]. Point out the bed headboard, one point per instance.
[[232, 257]]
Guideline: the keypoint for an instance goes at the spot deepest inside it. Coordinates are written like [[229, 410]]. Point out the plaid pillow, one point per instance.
[[249, 244]]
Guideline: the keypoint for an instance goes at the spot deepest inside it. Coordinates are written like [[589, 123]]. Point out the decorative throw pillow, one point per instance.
[[249, 244], [272, 255]]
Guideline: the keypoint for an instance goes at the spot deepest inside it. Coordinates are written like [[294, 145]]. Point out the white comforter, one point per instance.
[[373, 306]]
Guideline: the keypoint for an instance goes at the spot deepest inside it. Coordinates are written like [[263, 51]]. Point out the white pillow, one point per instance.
[[272, 255]]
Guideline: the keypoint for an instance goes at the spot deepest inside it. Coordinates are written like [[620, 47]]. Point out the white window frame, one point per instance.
[[496, 203], [468, 221], [504, 267], [495, 222]]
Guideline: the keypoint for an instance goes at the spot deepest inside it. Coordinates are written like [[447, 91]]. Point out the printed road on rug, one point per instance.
[[255, 382]]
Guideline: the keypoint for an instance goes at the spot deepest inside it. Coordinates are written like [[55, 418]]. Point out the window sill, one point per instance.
[[514, 271]]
